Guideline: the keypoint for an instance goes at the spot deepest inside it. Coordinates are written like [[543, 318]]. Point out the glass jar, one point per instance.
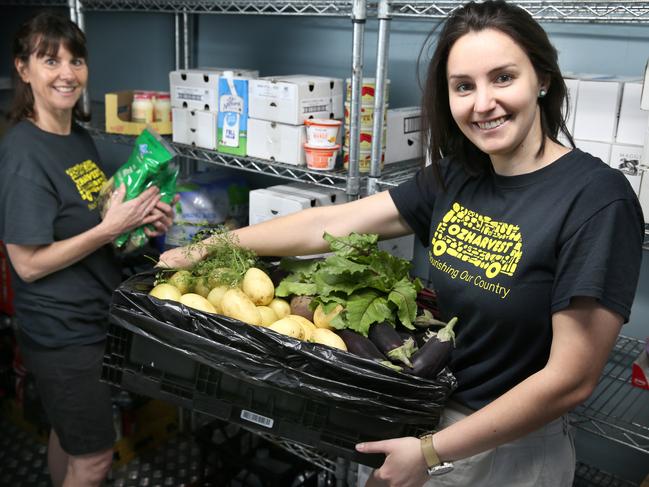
[[142, 107], [162, 107]]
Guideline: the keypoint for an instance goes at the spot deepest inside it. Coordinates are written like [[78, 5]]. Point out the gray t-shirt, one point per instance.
[[48, 192], [508, 252]]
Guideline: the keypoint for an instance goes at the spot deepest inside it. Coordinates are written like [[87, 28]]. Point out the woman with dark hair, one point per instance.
[[63, 265], [534, 246]]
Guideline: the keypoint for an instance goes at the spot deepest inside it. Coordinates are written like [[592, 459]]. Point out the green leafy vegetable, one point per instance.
[[372, 285]]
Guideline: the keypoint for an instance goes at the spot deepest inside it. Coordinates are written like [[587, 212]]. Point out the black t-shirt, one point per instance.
[[48, 192], [508, 252]]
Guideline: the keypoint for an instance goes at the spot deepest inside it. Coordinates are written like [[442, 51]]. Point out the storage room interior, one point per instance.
[[136, 50]]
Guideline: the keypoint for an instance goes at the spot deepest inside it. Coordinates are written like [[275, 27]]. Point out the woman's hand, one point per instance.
[[123, 216], [164, 218], [404, 464]]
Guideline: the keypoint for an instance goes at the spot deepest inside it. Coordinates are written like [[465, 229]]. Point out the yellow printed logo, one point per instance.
[[471, 237], [88, 179]]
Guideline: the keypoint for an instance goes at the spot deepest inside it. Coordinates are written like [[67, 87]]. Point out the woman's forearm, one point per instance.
[[33, 262]]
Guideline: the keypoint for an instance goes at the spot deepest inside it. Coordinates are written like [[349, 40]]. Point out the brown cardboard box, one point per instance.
[[118, 116]]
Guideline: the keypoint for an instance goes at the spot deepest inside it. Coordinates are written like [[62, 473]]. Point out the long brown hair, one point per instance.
[[42, 35], [442, 135]]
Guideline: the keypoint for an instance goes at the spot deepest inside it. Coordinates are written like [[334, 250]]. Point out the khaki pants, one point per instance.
[[543, 458]]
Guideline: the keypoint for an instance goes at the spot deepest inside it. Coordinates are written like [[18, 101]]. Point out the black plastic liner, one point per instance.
[[254, 353]]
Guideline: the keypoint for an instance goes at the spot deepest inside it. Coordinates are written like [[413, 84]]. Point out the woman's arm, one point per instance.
[[301, 233], [32, 262], [583, 336]]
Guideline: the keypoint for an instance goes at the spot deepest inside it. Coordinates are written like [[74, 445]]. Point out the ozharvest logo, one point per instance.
[[493, 246]]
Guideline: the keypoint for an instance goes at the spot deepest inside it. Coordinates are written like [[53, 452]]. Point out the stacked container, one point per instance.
[[279, 106], [366, 123], [195, 106]]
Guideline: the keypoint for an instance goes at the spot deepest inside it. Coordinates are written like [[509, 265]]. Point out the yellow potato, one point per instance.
[[289, 327], [322, 319], [166, 291], [201, 286], [183, 280], [198, 302], [280, 307], [268, 316], [216, 295], [220, 276], [258, 286], [236, 304], [307, 326], [328, 337]]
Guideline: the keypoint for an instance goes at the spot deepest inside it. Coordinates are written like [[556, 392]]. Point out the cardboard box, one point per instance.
[[633, 120], [640, 371], [403, 134], [626, 158], [266, 204], [6, 291], [118, 116], [194, 127], [198, 88], [276, 141], [232, 122], [295, 98], [319, 196], [597, 110], [597, 149]]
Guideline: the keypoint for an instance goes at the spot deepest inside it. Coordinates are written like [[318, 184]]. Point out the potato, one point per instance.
[[201, 286], [166, 291], [258, 286], [307, 326], [198, 302], [216, 295], [300, 306], [236, 304], [328, 337], [182, 280], [221, 276], [322, 319], [289, 327], [280, 307], [268, 316]]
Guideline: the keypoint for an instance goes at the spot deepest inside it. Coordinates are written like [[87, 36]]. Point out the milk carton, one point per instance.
[[232, 125]]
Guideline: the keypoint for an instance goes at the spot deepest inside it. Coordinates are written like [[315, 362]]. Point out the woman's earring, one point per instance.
[[542, 93]]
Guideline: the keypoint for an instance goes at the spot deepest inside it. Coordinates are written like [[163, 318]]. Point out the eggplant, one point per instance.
[[388, 341], [365, 348], [435, 353]]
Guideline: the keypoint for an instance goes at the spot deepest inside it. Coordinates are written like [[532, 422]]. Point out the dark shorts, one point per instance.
[[77, 405]]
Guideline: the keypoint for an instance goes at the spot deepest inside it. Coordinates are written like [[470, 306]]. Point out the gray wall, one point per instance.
[[135, 50]]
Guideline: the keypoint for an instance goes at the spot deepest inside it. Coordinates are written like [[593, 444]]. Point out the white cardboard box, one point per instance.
[[266, 204], [644, 101], [626, 158], [295, 98], [319, 196], [633, 120], [194, 127], [597, 149], [276, 141], [403, 134], [597, 110]]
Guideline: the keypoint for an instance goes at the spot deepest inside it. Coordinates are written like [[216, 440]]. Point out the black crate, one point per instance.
[[145, 366]]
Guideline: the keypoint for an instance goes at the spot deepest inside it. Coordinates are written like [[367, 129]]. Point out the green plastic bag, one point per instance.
[[148, 165]]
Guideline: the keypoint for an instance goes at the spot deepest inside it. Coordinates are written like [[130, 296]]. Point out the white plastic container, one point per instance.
[[142, 107], [322, 132], [162, 107], [321, 158]]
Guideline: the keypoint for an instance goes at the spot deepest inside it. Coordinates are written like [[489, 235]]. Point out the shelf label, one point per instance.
[[257, 419]]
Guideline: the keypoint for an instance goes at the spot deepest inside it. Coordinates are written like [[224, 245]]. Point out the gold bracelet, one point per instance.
[[430, 455]]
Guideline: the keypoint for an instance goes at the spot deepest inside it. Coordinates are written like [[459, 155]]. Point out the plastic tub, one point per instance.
[[368, 88], [321, 158], [322, 132]]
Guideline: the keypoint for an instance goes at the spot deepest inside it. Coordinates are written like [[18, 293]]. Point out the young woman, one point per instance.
[[63, 265], [535, 246]]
